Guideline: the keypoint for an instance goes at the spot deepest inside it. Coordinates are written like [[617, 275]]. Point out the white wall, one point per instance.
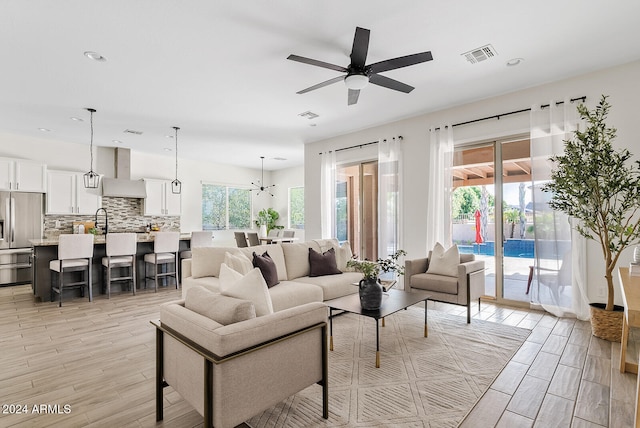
[[618, 82]]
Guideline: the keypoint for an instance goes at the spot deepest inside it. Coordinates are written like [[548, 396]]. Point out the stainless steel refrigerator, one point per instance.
[[21, 216]]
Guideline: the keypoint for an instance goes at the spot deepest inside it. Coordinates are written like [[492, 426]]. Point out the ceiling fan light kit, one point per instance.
[[358, 74]]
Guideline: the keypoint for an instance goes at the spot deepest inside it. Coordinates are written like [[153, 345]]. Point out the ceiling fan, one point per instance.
[[359, 74]]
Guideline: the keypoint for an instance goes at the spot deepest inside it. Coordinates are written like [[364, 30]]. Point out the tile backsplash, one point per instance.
[[125, 215]]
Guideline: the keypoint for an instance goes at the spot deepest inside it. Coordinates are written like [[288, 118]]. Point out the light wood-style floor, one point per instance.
[[99, 359]]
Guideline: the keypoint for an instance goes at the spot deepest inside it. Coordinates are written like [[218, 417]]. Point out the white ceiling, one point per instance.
[[218, 69]]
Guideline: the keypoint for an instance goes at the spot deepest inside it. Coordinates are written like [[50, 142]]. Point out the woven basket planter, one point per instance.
[[606, 324]]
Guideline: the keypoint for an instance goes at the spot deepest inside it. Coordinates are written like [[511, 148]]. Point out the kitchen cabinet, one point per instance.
[[66, 194], [160, 199], [23, 175]]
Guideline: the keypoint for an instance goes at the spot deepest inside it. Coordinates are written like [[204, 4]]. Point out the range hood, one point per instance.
[[122, 186]]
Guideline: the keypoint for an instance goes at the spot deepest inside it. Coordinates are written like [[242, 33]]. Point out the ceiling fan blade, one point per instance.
[[316, 63], [320, 85], [403, 61], [379, 80], [360, 48], [353, 96]]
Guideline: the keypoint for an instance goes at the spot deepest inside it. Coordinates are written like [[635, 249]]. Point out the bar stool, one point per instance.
[[165, 252], [121, 253], [75, 253]]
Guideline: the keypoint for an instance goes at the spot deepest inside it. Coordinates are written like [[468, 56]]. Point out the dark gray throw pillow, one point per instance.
[[267, 267], [323, 264]]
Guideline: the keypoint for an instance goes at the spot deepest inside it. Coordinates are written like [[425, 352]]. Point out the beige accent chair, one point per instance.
[[229, 373], [75, 253], [462, 289], [121, 251]]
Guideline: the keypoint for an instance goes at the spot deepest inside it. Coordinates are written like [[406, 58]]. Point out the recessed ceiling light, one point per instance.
[[117, 141], [167, 149], [312, 124], [514, 61], [95, 56], [279, 159], [169, 136], [77, 119], [44, 129]]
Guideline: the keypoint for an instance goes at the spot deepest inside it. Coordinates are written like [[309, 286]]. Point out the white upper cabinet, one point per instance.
[[66, 194], [23, 175], [160, 200]]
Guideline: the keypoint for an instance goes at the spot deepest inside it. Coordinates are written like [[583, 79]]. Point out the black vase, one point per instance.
[[370, 294]]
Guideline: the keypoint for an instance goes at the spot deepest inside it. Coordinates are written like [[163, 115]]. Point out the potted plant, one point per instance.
[[267, 218], [369, 288], [595, 184]]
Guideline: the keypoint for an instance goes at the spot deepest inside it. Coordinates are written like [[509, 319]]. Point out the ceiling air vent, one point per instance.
[[132, 131], [477, 55], [308, 114]]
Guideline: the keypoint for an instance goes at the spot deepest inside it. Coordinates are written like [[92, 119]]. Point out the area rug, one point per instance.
[[421, 382]]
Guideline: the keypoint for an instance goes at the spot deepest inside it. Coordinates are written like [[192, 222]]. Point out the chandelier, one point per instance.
[[260, 187]]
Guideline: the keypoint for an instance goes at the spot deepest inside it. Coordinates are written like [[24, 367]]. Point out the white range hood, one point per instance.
[[122, 186]]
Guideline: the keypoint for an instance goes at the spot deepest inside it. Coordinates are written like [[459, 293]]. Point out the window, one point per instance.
[[296, 208], [225, 207]]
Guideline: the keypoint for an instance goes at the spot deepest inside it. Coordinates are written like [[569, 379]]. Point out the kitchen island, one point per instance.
[[46, 249]]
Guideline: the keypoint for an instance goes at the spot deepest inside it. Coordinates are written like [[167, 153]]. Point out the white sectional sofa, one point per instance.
[[296, 287]]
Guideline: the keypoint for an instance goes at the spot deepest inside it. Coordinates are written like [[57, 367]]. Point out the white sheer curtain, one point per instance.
[[389, 194], [439, 186], [328, 194], [560, 252]]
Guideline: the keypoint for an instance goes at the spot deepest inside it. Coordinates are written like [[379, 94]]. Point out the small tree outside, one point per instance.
[[597, 185]]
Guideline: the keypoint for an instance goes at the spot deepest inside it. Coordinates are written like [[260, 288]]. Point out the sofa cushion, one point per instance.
[[206, 261], [267, 267], [222, 309], [334, 286], [249, 287], [323, 264], [238, 262], [297, 258], [444, 262], [440, 283], [275, 251], [288, 294]]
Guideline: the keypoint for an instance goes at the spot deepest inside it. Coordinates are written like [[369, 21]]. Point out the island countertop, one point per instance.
[[100, 239]]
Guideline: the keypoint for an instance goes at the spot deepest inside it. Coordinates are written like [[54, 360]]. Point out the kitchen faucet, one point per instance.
[[106, 219]]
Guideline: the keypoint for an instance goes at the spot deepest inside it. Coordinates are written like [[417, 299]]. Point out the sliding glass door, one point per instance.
[[357, 207], [491, 212]]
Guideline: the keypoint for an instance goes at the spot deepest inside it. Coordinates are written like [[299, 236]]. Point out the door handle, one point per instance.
[[13, 219]]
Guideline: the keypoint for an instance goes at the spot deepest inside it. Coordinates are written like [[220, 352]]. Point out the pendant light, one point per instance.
[[260, 187], [91, 179], [176, 185]]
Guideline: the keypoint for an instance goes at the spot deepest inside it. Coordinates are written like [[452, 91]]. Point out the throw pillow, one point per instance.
[[222, 309], [322, 264], [343, 255], [444, 262], [238, 262], [267, 267], [248, 287]]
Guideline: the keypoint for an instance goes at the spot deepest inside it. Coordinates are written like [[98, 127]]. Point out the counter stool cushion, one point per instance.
[[55, 264], [117, 260], [162, 257]]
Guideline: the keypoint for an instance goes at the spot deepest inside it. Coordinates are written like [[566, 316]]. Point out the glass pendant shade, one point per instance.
[[91, 180], [176, 186]]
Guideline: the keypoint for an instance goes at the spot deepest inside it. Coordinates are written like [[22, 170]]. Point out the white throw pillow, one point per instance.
[[247, 287], [238, 262], [343, 255], [444, 262]]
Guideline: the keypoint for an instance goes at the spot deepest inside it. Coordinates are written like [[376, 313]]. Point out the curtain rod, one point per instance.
[[359, 145], [498, 116]]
